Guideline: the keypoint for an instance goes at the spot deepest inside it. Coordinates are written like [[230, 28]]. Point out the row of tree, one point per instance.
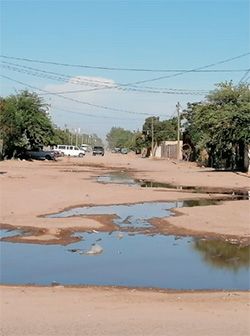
[[25, 124], [216, 129], [160, 130], [219, 127]]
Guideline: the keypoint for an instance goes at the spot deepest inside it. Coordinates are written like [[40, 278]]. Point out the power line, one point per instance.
[[76, 100], [89, 82], [51, 75], [59, 108], [162, 77], [189, 71], [119, 68], [143, 91], [171, 89], [90, 115], [244, 77], [127, 84]]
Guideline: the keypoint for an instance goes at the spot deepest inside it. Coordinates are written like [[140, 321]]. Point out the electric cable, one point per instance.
[[76, 100], [122, 68], [95, 83], [189, 71]]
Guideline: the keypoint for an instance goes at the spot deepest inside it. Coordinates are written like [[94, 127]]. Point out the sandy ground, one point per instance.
[[112, 312], [31, 189]]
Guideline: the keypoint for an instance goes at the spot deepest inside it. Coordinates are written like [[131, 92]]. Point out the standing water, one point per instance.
[[131, 258]]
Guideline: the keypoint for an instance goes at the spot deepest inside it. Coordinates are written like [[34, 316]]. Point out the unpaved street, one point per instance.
[[32, 189], [112, 312], [29, 190]]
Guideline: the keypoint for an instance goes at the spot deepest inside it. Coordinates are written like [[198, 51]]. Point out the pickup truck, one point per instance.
[[38, 155]]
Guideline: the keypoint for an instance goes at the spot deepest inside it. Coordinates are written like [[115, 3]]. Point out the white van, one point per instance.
[[85, 147], [69, 150]]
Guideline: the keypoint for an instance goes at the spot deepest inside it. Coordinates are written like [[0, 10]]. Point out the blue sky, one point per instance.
[[131, 34]]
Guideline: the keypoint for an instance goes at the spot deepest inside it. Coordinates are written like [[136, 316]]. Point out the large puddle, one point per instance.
[[133, 215], [130, 256], [133, 260]]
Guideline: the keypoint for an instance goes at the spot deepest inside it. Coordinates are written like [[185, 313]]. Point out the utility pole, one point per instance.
[[152, 136], [178, 130], [76, 142]]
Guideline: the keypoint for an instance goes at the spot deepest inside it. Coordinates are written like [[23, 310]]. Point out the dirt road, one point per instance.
[[121, 312], [30, 190]]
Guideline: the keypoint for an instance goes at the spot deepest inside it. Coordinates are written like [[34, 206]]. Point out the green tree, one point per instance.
[[119, 137], [221, 125], [24, 123], [61, 136], [161, 130]]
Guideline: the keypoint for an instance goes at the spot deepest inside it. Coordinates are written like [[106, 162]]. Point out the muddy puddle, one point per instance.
[[132, 260], [125, 178], [133, 215]]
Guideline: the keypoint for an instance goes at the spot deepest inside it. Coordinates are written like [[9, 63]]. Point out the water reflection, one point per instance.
[[222, 254], [117, 178], [198, 202], [195, 189], [125, 178], [120, 260]]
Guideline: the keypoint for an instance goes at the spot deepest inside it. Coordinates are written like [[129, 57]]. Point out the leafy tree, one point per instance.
[[24, 123], [167, 130], [62, 136], [137, 142], [221, 125], [119, 137], [150, 128], [161, 130]]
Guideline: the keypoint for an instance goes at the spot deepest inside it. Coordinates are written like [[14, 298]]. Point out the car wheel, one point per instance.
[[47, 157], [80, 155]]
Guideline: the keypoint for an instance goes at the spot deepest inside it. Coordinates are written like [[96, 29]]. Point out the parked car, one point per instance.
[[98, 150], [69, 150], [38, 155], [124, 151], [116, 150]]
